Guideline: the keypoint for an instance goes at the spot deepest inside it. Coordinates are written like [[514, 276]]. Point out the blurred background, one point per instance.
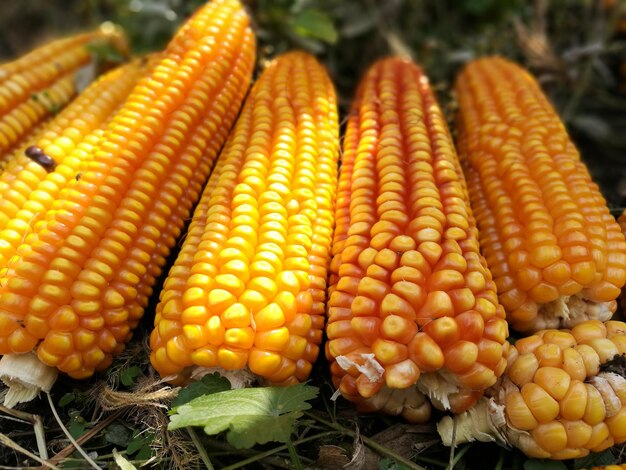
[[576, 48]]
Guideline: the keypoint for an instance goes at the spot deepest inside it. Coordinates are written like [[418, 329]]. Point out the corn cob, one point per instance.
[[247, 291], [556, 254], [610, 467], [39, 83], [563, 395], [80, 282], [412, 306], [28, 187]]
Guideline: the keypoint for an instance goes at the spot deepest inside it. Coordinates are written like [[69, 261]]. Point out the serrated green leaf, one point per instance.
[[596, 460], [314, 24], [117, 434], [544, 464], [209, 384], [251, 416], [127, 377]]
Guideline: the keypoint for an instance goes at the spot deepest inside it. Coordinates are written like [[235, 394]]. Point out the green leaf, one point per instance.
[[67, 399], [128, 375], [140, 446], [251, 415], [544, 464], [117, 434], [209, 384], [596, 460], [77, 426], [314, 24]]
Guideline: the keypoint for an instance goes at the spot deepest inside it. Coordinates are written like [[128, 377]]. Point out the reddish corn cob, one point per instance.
[[555, 251], [39, 83], [412, 306], [563, 395], [82, 279], [28, 188], [248, 288]]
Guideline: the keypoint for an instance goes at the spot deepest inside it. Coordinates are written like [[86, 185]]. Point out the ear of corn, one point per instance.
[[412, 306], [81, 280], [248, 288], [555, 251], [563, 395], [28, 187], [41, 82]]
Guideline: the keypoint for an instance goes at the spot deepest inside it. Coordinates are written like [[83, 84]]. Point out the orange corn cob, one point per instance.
[[563, 395], [248, 288], [610, 467], [412, 306], [81, 280], [39, 83], [555, 251], [28, 186]]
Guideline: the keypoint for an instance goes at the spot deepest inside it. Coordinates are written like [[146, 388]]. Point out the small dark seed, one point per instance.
[[37, 155]]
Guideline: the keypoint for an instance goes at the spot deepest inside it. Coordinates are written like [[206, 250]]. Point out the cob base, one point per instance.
[[569, 311], [25, 376], [487, 420], [240, 378]]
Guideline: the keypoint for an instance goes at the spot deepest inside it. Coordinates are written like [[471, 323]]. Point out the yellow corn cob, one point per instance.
[[248, 288], [41, 82], [610, 467], [79, 283], [412, 307], [555, 251], [29, 186], [563, 395]]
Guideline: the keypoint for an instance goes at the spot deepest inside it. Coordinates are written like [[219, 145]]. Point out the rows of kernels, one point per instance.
[[78, 273], [248, 286], [37, 84], [564, 404], [17, 122], [27, 190], [409, 284], [545, 229]]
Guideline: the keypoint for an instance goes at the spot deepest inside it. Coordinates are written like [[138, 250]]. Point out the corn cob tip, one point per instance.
[[563, 395], [25, 376]]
